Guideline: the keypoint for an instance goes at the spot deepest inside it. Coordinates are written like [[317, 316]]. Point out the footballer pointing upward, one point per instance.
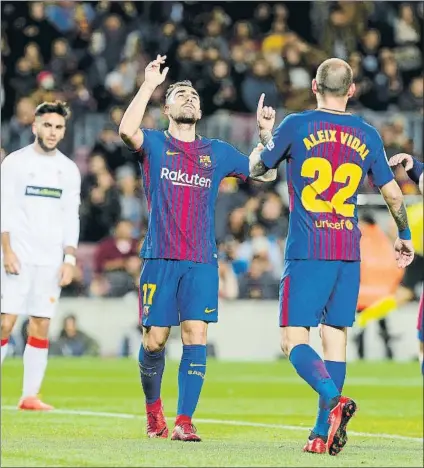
[[328, 152], [179, 280]]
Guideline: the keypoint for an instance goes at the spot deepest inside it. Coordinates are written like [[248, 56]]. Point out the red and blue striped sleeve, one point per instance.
[[145, 149], [278, 148], [237, 163], [380, 170]]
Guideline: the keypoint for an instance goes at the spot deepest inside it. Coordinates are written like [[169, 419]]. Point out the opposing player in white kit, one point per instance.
[[40, 198]]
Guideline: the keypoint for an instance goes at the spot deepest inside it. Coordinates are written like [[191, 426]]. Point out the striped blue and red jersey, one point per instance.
[[328, 155], [181, 181]]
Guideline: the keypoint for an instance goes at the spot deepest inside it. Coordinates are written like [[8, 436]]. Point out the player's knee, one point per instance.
[[286, 348], [194, 332], [39, 327], [7, 322], [293, 336], [152, 346], [154, 340]]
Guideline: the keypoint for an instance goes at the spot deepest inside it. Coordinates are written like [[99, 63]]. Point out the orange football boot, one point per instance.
[[33, 403]]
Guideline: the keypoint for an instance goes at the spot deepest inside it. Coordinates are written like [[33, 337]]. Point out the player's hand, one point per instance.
[[11, 263], [402, 158], [152, 75], [66, 274], [404, 252], [265, 116]]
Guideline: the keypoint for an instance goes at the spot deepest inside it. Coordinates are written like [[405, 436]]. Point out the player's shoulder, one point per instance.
[[153, 133], [222, 146], [68, 164], [17, 156]]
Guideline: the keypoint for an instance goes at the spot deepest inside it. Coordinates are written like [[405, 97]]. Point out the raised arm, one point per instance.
[[265, 118], [129, 129]]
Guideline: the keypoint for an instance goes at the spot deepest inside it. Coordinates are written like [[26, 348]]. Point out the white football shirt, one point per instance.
[[40, 198]]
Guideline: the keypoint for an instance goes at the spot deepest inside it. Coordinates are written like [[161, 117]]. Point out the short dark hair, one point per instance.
[[177, 85], [56, 107], [334, 76]]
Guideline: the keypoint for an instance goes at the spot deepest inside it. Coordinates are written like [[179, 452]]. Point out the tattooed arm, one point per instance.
[[393, 196], [257, 166]]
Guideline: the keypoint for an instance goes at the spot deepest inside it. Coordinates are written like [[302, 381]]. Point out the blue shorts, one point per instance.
[[319, 291], [172, 291]]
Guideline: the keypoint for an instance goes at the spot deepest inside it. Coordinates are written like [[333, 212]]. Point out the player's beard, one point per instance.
[[185, 118], [44, 147]]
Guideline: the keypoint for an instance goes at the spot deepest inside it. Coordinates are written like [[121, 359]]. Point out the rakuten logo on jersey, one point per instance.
[[184, 179]]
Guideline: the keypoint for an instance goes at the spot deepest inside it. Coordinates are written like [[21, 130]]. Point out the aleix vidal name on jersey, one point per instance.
[[47, 192], [184, 179]]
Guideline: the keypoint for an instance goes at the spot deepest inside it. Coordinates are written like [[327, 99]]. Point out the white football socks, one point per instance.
[[35, 363]]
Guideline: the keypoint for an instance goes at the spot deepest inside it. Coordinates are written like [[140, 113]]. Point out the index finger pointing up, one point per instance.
[[261, 102]]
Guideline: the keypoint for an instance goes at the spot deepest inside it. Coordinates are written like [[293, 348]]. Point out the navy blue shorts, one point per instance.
[[172, 291], [319, 291]]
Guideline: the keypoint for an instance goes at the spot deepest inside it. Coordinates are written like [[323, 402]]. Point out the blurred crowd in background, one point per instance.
[[93, 54]]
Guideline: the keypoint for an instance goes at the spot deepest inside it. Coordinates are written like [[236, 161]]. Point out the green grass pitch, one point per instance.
[[250, 414]]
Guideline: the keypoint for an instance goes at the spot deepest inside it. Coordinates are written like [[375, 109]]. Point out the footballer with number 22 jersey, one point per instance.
[[328, 155]]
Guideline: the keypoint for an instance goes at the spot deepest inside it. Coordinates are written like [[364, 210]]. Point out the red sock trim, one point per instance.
[[38, 343], [5, 341], [182, 419]]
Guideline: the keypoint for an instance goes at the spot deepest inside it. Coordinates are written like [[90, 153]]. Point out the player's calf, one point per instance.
[[309, 365], [151, 365], [7, 323], [191, 375], [334, 346], [35, 358]]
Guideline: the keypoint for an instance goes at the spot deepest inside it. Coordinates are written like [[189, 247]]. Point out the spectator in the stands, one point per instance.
[[100, 210], [273, 216], [20, 130], [133, 202], [258, 282], [259, 244], [33, 55], [63, 62], [257, 82], [388, 86], [110, 146], [117, 263], [412, 99], [74, 342], [369, 48], [24, 80]]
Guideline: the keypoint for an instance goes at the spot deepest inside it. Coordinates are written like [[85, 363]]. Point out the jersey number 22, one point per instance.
[[324, 179]]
